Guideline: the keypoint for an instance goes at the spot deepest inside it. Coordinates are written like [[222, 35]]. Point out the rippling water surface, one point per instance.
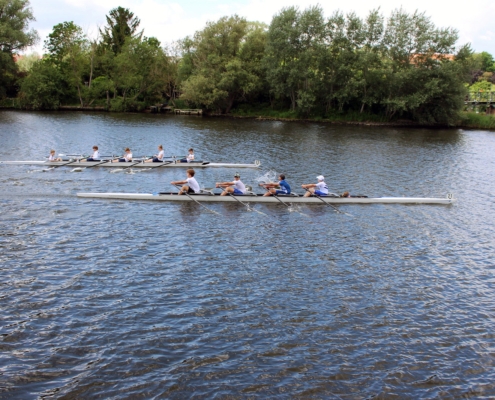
[[116, 299]]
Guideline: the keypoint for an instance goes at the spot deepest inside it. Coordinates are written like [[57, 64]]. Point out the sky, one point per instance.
[[170, 20]]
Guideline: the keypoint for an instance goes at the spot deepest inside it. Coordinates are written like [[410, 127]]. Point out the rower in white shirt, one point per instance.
[[236, 187], [52, 157], [317, 189], [95, 156], [189, 158], [190, 184], [159, 157], [127, 157]]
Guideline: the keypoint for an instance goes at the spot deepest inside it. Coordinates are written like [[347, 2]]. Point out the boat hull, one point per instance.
[[140, 165], [272, 200]]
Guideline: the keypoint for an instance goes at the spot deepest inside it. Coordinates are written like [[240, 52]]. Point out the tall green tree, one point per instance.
[[216, 74], [44, 88], [295, 42], [122, 24], [421, 70], [370, 67], [68, 48], [15, 16]]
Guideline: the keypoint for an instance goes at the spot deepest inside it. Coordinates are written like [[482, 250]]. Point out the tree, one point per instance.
[[122, 24], [15, 16], [423, 82], [483, 62], [139, 73], [295, 42], [215, 71], [44, 87], [68, 48], [370, 68], [26, 62]]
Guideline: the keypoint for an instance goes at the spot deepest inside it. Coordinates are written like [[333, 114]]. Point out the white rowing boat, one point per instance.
[[166, 164], [207, 196]]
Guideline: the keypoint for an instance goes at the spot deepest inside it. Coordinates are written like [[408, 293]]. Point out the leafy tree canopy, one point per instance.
[[122, 24], [15, 16]]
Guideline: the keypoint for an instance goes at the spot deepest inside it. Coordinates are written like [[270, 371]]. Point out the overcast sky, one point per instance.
[[170, 20]]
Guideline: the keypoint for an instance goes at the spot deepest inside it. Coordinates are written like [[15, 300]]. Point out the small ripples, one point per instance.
[[118, 299]]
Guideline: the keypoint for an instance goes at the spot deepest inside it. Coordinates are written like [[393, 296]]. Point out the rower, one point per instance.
[[190, 184], [52, 158], [189, 158], [127, 157], [236, 187], [159, 157], [274, 189], [318, 189], [95, 156]]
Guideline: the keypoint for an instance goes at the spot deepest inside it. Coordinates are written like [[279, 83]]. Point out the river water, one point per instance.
[[122, 299]]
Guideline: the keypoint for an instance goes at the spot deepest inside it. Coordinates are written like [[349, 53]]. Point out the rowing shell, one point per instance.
[[258, 198], [199, 164]]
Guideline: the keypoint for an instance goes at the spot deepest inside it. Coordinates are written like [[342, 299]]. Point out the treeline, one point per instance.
[[302, 63]]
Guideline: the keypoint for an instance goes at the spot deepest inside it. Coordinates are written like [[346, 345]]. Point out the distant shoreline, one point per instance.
[[471, 121]]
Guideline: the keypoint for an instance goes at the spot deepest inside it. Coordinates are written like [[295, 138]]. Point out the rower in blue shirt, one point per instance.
[[282, 185]]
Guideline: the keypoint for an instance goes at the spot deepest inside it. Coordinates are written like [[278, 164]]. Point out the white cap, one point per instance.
[[320, 177]]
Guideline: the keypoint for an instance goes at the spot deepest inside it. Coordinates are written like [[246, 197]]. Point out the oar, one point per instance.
[[133, 164], [202, 205], [162, 164], [328, 204], [67, 163], [244, 204], [274, 195], [284, 203], [95, 165]]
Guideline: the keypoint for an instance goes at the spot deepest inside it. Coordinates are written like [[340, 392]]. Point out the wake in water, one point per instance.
[[32, 171]]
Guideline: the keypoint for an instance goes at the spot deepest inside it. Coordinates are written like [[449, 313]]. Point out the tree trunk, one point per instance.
[[293, 100], [230, 103], [91, 71], [79, 93]]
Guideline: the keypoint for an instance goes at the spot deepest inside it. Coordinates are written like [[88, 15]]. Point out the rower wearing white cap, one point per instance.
[[236, 187], [318, 189]]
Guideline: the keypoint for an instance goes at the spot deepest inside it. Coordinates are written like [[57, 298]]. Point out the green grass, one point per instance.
[[265, 111], [478, 121]]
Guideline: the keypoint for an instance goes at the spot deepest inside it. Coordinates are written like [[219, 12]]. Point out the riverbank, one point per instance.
[[467, 120]]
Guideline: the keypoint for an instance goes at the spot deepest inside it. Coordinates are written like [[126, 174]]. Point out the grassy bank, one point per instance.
[[477, 121], [269, 113]]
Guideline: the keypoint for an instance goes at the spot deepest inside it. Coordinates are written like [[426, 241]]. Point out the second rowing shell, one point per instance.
[[257, 198], [166, 164]]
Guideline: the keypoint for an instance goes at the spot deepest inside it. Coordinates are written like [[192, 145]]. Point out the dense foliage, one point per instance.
[[15, 16], [303, 63]]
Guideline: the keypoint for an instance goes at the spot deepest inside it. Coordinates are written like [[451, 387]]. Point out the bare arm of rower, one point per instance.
[[224, 184], [310, 185], [178, 182]]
